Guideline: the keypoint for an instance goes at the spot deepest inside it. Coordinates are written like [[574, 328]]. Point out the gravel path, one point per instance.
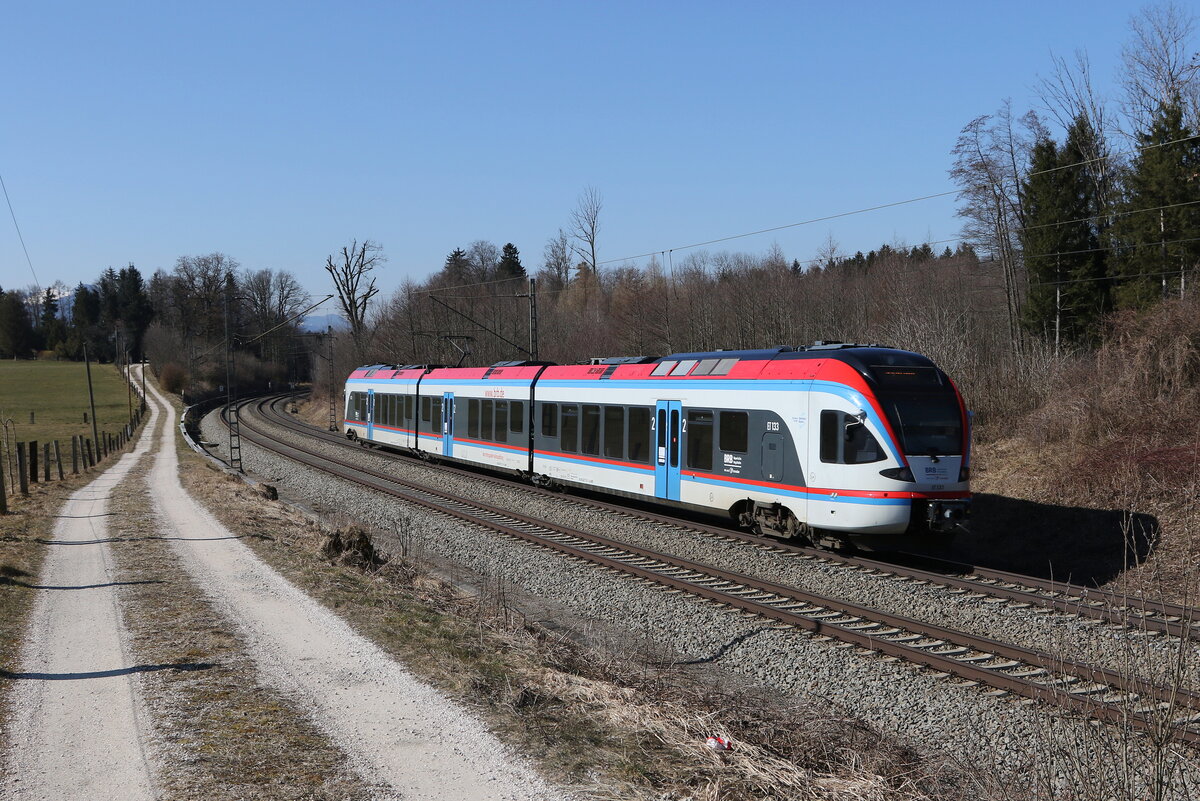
[[997, 736], [76, 727], [398, 731]]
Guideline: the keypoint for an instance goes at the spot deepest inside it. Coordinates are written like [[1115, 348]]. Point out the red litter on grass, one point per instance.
[[719, 744]]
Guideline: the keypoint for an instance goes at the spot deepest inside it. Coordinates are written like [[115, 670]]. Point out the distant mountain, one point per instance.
[[320, 322]]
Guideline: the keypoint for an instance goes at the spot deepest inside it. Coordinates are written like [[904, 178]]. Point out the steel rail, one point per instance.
[[1091, 602], [1040, 676]]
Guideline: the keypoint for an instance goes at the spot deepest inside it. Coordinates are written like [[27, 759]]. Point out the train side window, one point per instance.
[[663, 368], [425, 409], [705, 367], [569, 436], [724, 366], [844, 440], [473, 418], [614, 432], [639, 435], [436, 413], [591, 430], [700, 440], [735, 428], [408, 408], [485, 420], [683, 367], [516, 416], [549, 419], [501, 421]]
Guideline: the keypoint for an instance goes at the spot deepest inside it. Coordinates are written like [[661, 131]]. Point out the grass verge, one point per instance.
[[218, 733]]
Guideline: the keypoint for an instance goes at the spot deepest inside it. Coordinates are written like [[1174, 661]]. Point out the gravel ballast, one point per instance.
[[996, 736]]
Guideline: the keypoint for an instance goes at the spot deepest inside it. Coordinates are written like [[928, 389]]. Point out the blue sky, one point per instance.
[[278, 132]]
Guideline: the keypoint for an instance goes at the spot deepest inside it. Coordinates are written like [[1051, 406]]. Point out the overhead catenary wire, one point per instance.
[[20, 236], [877, 207]]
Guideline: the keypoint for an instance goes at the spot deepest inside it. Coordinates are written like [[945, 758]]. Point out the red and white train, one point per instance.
[[832, 442]]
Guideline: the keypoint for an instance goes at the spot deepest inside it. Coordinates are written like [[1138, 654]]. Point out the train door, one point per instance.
[[448, 423], [370, 414], [668, 425]]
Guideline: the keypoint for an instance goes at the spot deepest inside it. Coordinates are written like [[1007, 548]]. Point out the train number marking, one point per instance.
[[772, 426]]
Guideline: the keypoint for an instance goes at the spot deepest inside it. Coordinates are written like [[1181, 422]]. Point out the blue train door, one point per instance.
[[370, 414], [448, 423], [668, 423]]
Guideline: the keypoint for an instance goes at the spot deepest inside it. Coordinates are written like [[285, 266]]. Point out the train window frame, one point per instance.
[[833, 441], [408, 408], [500, 432], [473, 418], [436, 414], [643, 456], [516, 416], [700, 425], [730, 434], [425, 405], [684, 367], [663, 368], [589, 429], [549, 419], [706, 366], [487, 419], [723, 366], [568, 412], [614, 432]]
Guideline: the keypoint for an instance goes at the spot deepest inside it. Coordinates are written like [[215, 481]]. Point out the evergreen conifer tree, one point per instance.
[[510, 263], [1160, 212]]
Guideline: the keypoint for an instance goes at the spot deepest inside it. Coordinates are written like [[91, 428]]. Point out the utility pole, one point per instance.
[[235, 436], [1162, 250], [91, 398], [333, 426], [533, 321], [1057, 302]]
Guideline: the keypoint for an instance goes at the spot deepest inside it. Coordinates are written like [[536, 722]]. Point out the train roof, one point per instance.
[[876, 363]]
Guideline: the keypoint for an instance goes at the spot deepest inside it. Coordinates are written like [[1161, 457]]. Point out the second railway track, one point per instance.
[[1100, 693]]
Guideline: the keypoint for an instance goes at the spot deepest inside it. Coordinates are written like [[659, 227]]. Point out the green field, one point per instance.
[[56, 393]]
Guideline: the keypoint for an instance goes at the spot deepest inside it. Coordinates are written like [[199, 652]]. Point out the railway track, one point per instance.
[[1099, 693], [1015, 588]]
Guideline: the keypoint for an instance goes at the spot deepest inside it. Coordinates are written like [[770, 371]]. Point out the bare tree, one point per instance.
[[556, 265], [990, 164], [1161, 66], [483, 256], [1069, 97], [585, 225], [355, 286]]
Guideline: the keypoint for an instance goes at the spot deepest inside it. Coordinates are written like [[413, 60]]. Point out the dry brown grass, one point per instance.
[[607, 722], [1117, 434], [222, 736]]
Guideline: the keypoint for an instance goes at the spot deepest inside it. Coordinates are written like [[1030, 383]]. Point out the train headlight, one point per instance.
[[898, 473], [964, 473]]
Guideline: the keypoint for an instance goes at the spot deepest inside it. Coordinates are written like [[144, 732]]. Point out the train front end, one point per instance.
[[930, 427]]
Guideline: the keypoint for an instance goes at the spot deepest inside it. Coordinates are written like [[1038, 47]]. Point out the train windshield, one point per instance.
[[922, 408], [928, 424]]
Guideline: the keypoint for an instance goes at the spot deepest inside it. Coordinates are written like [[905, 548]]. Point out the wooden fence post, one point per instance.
[[22, 468], [46, 462], [58, 460], [74, 455], [33, 471], [88, 460], [3, 493]]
